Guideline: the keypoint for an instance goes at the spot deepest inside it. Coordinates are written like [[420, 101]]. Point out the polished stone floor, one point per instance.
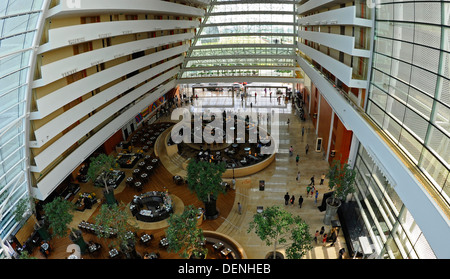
[[280, 176]]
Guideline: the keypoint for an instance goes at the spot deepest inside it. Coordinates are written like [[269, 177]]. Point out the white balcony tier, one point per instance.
[[58, 98], [314, 5], [65, 36], [338, 69], [89, 7], [343, 16], [342, 43], [64, 168], [53, 151], [239, 79], [432, 221], [239, 56], [59, 69], [64, 120], [218, 68]]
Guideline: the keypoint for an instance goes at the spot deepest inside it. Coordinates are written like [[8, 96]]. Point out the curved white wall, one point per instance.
[[58, 98], [56, 70], [69, 35], [86, 7]]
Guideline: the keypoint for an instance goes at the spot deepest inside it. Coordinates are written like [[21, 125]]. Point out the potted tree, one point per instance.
[[113, 221], [341, 182], [205, 180], [100, 168], [280, 228], [184, 236], [59, 215], [24, 208]]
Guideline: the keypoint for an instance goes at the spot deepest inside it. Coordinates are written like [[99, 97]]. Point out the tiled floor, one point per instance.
[[279, 176]]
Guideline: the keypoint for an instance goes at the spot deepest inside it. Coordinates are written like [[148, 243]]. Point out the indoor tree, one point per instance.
[[183, 235], [26, 207], [341, 182], [205, 179], [59, 214], [113, 222], [100, 168], [278, 227]]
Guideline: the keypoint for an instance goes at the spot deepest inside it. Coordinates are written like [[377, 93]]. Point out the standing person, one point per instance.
[[300, 201], [322, 230], [291, 151], [303, 131], [288, 121], [324, 240], [286, 198], [292, 200], [239, 208], [312, 181], [317, 195], [308, 189], [298, 176], [341, 253], [316, 235], [333, 236], [297, 159], [322, 178], [306, 149]]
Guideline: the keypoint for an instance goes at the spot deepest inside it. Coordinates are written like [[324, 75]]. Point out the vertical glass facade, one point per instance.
[[18, 26], [409, 95], [388, 223]]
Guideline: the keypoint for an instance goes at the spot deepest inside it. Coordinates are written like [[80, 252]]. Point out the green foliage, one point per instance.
[[59, 215], [114, 218], [205, 179], [22, 206], [275, 226], [100, 166], [25, 256], [183, 235], [341, 180]]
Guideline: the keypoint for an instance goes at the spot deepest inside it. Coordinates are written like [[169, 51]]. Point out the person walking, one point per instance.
[[316, 235], [322, 230], [291, 151], [315, 198], [286, 198], [322, 178], [306, 149], [308, 189], [239, 208], [300, 201], [298, 176], [297, 159], [303, 131], [324, 239], [292, 200], [312, 181], [333, 236], [288, 121]]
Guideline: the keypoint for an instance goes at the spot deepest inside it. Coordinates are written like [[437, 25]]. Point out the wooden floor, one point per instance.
[[160, 180]]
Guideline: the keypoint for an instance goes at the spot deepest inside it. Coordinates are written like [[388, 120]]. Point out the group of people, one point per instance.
[[324, 237]]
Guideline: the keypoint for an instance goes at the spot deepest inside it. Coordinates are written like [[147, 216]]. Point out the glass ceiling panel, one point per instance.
[[244, 33]]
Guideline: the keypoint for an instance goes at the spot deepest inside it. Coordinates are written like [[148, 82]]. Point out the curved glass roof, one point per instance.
[[244, 38], [18, 27]]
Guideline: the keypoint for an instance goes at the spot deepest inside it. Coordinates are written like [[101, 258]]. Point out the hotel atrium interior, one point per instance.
[[363, 83]]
